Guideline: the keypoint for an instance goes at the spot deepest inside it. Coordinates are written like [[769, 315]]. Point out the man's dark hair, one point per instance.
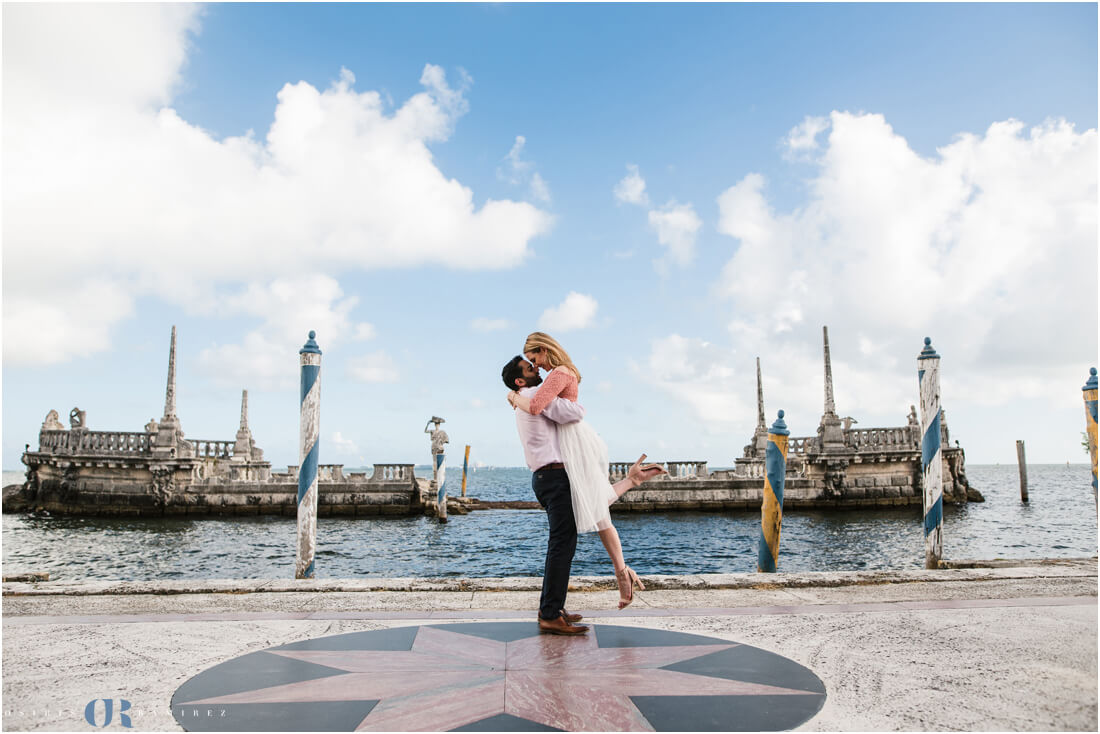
[[512, 371]]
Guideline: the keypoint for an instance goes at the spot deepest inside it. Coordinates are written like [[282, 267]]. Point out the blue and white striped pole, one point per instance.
[[307, 474], [931, 455], [441, 478], [771, 509]]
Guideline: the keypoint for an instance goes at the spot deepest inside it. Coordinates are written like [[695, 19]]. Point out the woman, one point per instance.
[[584, 454]]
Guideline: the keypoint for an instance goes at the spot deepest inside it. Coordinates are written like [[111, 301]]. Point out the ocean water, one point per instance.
[[1059, 521]]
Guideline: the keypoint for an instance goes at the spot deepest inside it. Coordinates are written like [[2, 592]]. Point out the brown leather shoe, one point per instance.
[[571, 618], [561, 626]]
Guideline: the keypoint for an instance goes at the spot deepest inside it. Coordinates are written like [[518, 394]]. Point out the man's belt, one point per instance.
[[555, 465]]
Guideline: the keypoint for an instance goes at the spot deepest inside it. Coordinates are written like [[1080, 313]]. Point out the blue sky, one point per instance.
[[671, 190]]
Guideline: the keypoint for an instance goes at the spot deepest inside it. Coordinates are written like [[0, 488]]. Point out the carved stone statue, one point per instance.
[[913, 420], [151, 426], [835, 478], [163, 484], [848, 421], [439, 437], [77, 418], [53, 422]]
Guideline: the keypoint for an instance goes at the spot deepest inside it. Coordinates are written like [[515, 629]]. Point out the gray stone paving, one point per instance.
[[902, 650]]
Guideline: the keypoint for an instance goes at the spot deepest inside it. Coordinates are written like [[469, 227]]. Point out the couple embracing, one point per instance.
[[571, 477]]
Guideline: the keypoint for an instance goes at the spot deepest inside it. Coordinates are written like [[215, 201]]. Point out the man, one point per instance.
[[539, 437]]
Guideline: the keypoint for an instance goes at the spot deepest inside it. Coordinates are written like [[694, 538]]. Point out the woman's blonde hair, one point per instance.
[[555, 355]]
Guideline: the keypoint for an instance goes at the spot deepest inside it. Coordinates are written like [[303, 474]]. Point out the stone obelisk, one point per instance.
[[760, 435], [169, 432], [830, 432], [242, 448]]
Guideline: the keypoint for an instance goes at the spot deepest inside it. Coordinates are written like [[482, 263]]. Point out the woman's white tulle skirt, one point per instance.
[[584, 454]]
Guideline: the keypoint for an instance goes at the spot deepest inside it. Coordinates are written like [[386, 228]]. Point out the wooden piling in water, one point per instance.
[[465, 463], [1023, 470]]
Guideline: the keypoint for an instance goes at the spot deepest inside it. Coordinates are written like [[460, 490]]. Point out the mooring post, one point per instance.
[[439, 465], [465, 463], [771, 510], [441, 477], [1089, 392], [931, 455], [310, 426], [1023, 470]]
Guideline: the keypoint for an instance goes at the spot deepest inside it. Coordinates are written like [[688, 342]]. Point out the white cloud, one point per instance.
[[539, 190], [519, 172], [698, 374], [989, 248], [802, 138], [677, 226], [631, 189], [577, 311], [363, 332], [343, 446], [377, 367], [117, 187], [67, 321], [484, 324], [291, 308]]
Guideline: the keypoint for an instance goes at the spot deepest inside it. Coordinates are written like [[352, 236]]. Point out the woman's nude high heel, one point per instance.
[[627, 580]]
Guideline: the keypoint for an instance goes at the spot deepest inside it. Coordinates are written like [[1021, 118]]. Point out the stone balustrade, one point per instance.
[[676, 470], [686, 469], [123, 443], [206, 449], [330, 472], [53, 441], [392, 473], [800, 444], [751, 470], [882, 439], [335, 473]]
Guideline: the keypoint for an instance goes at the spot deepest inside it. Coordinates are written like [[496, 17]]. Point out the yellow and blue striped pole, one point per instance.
[[1089, 391], [931, 454], [465, 463], [771, 510], [310, 423]]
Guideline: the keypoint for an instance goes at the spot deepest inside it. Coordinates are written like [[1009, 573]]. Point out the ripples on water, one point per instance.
[[1060, 521]]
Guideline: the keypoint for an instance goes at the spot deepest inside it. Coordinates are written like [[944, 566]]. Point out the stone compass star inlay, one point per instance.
[[502, 676]]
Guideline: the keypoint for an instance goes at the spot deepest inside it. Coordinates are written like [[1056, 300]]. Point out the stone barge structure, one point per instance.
[[158, 472], [841, 467]]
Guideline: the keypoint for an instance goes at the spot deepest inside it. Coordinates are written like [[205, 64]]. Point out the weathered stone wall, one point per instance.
[[141, 487], [244, 498], [722, 492]]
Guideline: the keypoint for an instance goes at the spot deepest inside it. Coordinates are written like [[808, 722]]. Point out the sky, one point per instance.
[[670, 190]]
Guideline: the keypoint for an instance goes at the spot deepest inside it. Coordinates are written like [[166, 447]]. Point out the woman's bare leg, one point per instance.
[[625, 578], [609, 536]]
